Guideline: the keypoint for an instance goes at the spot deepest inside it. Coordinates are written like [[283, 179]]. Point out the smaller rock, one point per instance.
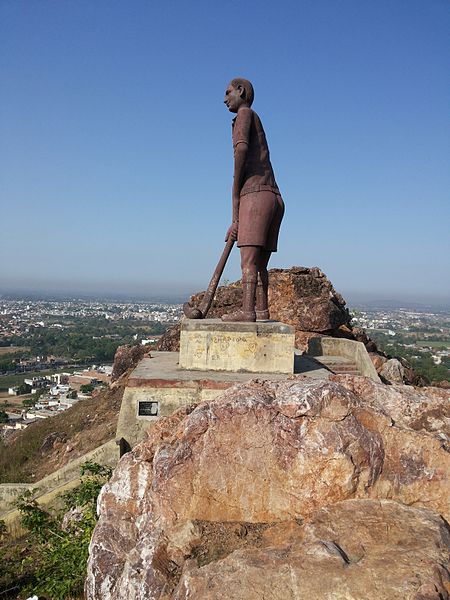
[[125, 358], [302, 339], [445, 385], [170, 341], [378, 360], [71, 517], [393, 371], [52, 439], [182, 540]]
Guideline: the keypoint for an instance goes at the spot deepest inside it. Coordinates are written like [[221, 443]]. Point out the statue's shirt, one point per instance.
[[258, 172]]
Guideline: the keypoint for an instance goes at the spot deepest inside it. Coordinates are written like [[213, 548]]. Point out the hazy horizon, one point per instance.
[[179, 294]]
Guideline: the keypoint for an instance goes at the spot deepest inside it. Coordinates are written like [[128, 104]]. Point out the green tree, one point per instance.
[[3, 417], [86, 388], [23, 388]]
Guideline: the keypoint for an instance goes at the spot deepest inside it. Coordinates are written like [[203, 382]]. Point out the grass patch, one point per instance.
[[430, 344], [13, 349]]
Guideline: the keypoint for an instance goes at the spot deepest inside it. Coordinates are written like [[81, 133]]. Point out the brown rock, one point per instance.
[[170, 340], [302, 339], [305, 299], [356, 549], [378, 360], [445, 384], [268, 452], [52, 440], [126, 357], [360, 335], [393, 371]]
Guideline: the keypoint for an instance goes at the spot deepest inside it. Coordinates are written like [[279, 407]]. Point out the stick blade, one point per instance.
[[191, 312]]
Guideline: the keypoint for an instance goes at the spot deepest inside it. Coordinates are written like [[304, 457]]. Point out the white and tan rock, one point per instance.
[[262, 453], [393, 371], [421, 409]]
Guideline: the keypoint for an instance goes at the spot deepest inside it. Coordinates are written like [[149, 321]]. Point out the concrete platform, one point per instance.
[[158, 386], [214, 345]]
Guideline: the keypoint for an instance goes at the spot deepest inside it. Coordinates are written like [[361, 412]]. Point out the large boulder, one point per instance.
[[300, 296], [203, 492], [306, 299], [392, 371]]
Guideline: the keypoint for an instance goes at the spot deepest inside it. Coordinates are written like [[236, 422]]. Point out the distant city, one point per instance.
[[23, 313], [354, 299]]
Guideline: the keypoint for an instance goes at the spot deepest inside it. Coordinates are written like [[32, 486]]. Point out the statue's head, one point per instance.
[[239, 93]]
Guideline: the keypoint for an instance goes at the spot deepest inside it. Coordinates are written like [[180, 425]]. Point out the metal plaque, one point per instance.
[[147, 408]]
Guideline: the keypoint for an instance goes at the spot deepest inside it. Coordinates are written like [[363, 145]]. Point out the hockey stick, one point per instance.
[[192, 312]]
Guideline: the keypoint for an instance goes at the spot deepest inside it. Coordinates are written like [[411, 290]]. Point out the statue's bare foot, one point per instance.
[[262, 315], [239, 315]]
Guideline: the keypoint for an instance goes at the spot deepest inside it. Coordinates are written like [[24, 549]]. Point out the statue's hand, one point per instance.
[[232, 232]]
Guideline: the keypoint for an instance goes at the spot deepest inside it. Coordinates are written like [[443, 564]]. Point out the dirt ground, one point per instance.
[[12, 349], [14, 402]]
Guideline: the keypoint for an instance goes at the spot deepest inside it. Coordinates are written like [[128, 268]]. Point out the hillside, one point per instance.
[[48, 444]]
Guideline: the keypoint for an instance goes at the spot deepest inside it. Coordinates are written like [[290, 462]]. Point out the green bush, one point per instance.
[[23, 388], [86, 388], [56, 566]]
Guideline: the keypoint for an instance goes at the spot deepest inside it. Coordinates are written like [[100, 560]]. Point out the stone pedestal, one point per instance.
[[212, 345]]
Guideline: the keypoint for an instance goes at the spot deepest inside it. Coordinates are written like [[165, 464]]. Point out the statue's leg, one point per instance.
[[262, 302], [250, 257]]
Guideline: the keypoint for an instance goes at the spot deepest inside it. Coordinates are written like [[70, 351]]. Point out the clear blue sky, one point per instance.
[[115, 147]]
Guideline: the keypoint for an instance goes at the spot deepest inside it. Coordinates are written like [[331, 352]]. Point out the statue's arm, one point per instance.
[[240, 154]]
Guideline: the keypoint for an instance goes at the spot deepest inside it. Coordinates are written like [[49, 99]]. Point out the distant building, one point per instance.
[[57, 390], [37, 382], [60, 378]]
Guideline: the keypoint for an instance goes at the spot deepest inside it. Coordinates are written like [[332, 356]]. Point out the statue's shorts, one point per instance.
[[260, 216]]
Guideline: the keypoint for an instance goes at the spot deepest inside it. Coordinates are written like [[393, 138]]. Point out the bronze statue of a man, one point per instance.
[[257, 204]]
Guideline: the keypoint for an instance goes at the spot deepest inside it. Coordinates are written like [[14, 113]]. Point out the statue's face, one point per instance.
[[233, 98]]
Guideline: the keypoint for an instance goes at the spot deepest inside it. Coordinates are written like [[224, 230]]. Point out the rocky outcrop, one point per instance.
[[302, 297], [306, 299], [393, 371], [170, 340], [126, 358], [263, 490]]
